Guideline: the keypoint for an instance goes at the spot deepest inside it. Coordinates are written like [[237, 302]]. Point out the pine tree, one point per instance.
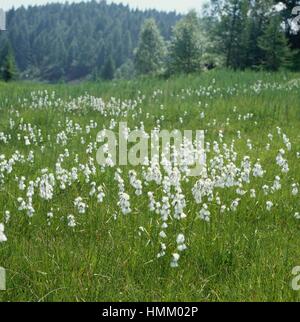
[[260, 11], [151, 51], [292, 34], [108, 70], [274, 44], [185, 47], [9, 68], [7, 62], [234, 32]]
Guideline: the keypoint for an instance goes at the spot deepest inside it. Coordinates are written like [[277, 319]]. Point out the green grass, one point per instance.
[[247, 255]]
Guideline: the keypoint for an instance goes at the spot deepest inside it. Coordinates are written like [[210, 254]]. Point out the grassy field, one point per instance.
[[246, 248]]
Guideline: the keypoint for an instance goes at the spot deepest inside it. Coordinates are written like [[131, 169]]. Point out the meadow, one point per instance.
[[73, 230]]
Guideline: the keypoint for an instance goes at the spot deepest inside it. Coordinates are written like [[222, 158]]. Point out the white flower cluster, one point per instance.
[[236, 173], [3, 238], [80, 205]]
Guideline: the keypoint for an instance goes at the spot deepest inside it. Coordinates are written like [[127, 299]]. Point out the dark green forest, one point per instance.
[[95, 40], [71, 41]]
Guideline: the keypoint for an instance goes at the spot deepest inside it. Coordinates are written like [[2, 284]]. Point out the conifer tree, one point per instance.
[[108, 70], [7, 62], [234, 33], [260, 11], [151, 51], [274, 44], [186, 47], [9, 68]]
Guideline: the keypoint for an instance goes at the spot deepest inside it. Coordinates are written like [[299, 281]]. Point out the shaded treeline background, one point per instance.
[[74, 40], [93, 40]]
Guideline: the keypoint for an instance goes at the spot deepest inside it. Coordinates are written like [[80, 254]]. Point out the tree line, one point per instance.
[[75, 41], [237, 34], [97, 40]]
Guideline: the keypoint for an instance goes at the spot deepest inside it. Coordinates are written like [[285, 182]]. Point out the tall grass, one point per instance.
[[244, 255]]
